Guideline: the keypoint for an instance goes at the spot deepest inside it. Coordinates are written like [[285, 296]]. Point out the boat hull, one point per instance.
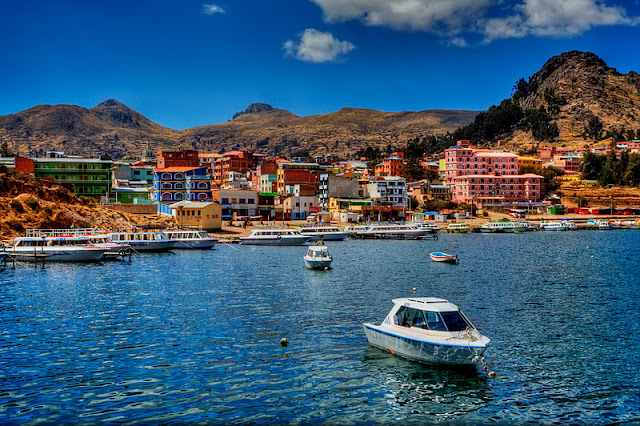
[[329, 236], [317, 264], [64, 255], [393, 235], [444, 259], [195, 244], [277, 241], [151, 246], [422, 350]]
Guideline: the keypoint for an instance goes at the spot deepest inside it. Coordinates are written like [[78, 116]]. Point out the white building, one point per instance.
[[388, 191]]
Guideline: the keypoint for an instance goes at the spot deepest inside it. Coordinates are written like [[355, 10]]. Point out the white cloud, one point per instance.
[[556, 18], [414, 15], [316, 46], [211, 9], [493, 19]]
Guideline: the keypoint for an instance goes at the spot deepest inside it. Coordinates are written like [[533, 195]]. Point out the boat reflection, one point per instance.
[[449, 392]]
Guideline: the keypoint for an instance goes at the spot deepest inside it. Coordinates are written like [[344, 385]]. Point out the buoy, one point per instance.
[[592, 257], [284, 342], [414, 289], [587, 247], [491, 373]]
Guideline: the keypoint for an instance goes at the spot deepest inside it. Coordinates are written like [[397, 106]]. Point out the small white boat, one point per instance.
[[432, 227], [444, 257], [275, 237], [318, 257], [503, 226], [191, 239], [57, 249], [458, 228], [429, 330], [326, 233], [603, 225], [395, 232], [144, 241]]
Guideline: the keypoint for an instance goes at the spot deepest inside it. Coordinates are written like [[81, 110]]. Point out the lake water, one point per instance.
[[194, 336]]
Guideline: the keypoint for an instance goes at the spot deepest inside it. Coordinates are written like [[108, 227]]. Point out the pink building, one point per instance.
[[487, 188], [482, 175], [569, 163], [464, 159]]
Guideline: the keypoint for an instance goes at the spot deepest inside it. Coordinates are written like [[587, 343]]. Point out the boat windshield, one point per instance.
[[438, 321]]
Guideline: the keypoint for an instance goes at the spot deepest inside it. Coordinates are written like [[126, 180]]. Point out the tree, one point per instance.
[[5, 151], [594, 128], [591, 166]]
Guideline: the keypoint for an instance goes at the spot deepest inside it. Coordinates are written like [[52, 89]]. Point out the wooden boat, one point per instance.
[[444, 257], [428, 330]]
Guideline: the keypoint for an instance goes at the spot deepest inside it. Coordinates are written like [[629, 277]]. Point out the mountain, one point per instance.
[[110, 127], [576, 88], [115, 129]]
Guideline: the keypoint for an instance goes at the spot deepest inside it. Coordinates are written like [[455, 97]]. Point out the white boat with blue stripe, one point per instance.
[[429, 330]]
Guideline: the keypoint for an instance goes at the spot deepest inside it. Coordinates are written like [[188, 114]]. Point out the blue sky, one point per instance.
[[186, 63]]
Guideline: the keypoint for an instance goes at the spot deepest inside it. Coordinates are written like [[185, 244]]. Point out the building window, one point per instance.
[[166, 196], [166, 185], [225, 201], [166, 176], [202, 185], [251, 201], [179, 196], [179, 176]]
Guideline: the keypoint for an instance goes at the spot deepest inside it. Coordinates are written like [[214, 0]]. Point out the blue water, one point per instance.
[[195, 336]]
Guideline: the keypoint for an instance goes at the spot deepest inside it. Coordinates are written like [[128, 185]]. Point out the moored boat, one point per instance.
[[325, 233], [396, 232], [503, 227], [444, 257], [554, 225], [458, 228], [275, 237], [318, 257], [428, 330], [143, 241], [57, 249], [191, 239]]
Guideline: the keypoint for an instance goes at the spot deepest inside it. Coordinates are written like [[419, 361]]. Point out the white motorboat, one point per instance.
[[552, 226], [275, 237], [503, 226], [144, 241], [396, 232], [429, 330], [318, 257], [432, 227], [191, 239], [58, 249], [352, 230], [600, 224], [325, 233], [98, 238]]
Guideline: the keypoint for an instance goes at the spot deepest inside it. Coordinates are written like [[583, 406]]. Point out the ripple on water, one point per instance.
[[194, 336]]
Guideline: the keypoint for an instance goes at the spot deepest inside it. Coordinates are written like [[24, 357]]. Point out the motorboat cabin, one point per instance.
[[147, 241], [429, 330]]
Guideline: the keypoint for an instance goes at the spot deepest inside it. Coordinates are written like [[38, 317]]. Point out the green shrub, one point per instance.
[[32, 203]]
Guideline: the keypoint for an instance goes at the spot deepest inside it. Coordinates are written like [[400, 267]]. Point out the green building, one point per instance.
[[89, 176]]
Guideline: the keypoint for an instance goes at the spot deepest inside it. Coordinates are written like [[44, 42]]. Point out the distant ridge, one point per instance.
[[115, 129]]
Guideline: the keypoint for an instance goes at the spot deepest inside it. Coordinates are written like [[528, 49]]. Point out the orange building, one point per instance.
[[187, 158], [392, 166]]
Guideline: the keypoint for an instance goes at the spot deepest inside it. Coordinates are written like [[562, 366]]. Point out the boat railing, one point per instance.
[[76, 232]]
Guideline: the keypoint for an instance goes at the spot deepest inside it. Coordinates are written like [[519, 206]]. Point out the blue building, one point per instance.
[[173, 184]]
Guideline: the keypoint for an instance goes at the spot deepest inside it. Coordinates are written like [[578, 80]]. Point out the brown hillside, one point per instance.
[[115, 129], [590, 88], [28, 203]]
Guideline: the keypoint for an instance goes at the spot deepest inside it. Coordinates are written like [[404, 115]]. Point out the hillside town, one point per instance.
[[204, 189]]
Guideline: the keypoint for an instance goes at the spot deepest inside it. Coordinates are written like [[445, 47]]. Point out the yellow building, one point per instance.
[[194, 214], [533, 162]]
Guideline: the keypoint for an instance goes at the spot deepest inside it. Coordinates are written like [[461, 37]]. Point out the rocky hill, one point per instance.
[[577, 88], [29, 203], [115, 129]]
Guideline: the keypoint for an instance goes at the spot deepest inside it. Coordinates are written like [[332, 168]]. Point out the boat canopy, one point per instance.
[[426, 303]]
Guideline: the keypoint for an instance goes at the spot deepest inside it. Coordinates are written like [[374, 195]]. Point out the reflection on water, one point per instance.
[[194, 336]]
